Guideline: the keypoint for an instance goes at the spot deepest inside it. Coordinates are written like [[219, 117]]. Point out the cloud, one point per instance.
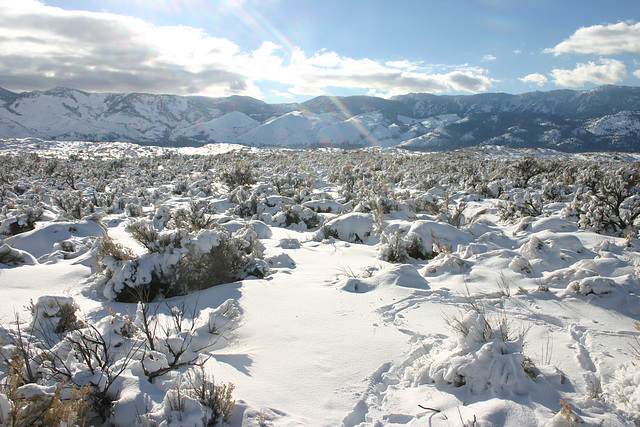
[[45, 46], [637, 73], [607, 39], [42, 47], [606, 71], [535, 78], [371, 75], [404, 64], [282, 94], [489, 57]]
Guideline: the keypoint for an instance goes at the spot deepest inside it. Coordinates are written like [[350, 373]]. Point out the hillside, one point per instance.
[[601, 119]]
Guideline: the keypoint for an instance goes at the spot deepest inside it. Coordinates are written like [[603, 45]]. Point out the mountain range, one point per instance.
[[606, 118]]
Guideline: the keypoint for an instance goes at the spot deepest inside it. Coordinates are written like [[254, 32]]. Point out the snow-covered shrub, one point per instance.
[[133, 210], [593, 285], [197, 400], [553, 192], [10, 256], [21, 221], [238, 175], [54, 313], [381, 205], [432, 237], [325, 206], [156, 241], [296, 214], [198, 216], [216, 397], [80, 373], [29, 404], [179, 262], [482, 356], [423, 240], [450, 211], [522, 171], [293, 185], [72, 205], [353, 227], [521, 204], [106, 250], [393, 247], [611, 201]]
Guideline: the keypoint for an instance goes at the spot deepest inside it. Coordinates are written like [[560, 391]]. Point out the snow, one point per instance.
[[499, 323]]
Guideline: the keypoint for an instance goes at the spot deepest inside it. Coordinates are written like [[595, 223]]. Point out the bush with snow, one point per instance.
[[423, 240], [20, 221], [353, 227], [178, 263], [59, 359], [482, 356]]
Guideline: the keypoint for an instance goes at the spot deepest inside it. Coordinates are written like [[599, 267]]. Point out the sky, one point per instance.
[[293, 50]]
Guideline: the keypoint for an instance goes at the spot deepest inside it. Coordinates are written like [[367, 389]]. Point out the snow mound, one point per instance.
[[14, 257], [446, 263], [402, 275], [593, 285], [437, 236], [43, 240], [483, 364], [353, 227]]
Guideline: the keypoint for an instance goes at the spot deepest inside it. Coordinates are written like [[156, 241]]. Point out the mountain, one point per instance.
[[605, 118]]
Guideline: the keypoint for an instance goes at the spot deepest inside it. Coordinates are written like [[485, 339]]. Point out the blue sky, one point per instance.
[[293, 50]]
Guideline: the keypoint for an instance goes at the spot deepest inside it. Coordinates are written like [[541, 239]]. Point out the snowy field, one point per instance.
[[377, 287]]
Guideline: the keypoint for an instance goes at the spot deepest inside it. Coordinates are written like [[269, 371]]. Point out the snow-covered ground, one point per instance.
[[480, 287]]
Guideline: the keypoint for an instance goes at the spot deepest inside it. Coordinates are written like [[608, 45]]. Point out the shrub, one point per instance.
[[10, 256], [155, 241], [29, 405], [72, 205], [611, 202], [180, 262], [216, 397], [106, 250], [22, 221], [483, 355], [523, 170], [199, 216], [521, 205], [393, 248], [296, 214], [238, 175]]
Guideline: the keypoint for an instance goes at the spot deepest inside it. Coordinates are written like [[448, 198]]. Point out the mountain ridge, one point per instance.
[[605, 118]]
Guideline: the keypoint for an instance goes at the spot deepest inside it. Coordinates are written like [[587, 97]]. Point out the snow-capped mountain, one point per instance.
[[606, 118]]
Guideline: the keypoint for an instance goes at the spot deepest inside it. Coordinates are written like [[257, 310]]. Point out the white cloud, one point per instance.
[[43, 46], [282, 94], [607, 39], [517, 51], [366, 74], [325, 59], [637, 73], [489, 57], [404, 64], [535, 78], [606, 71]]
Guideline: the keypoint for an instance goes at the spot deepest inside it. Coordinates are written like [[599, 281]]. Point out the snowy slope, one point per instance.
[[222, 129], [625, 123], [604, 118]]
